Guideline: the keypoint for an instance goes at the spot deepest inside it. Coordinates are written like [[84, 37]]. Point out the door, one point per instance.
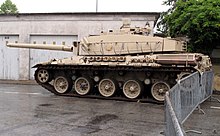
[[9, 58]]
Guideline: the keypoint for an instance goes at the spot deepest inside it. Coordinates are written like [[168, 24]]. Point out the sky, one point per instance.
[[51, 6]]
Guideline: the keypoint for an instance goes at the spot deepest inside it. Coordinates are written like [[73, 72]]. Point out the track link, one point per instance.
[[51, 89]]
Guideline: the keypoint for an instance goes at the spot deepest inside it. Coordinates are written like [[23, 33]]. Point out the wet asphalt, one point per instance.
[[29, 110]]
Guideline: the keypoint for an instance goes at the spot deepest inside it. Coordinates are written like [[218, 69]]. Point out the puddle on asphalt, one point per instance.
[[87, 129], [45, 105], [102, 119], [94, 124]]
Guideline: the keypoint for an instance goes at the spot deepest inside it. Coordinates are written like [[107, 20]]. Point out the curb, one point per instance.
[[21, 82]]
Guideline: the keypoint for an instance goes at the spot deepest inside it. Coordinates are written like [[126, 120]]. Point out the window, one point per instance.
[[54, 43], [34, 42], [63, 43], [44, 42]]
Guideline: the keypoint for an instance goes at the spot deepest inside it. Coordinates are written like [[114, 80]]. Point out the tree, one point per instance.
[[8, 8], [161, 24], [197, 19]]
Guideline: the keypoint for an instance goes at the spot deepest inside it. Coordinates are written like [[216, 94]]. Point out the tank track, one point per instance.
[[147, 99]]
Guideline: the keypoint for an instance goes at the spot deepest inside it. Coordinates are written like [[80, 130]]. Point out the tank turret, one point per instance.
[[126, 43], [129, 40], [127, 63]]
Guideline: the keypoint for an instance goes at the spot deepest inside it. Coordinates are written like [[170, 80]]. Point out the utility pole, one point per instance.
[[96, 5]]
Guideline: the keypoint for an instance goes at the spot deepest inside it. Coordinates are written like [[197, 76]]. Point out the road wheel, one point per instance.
[[132, 89], [42, 76], [62, 84], [107, 87], [83, 85], [159, 89]]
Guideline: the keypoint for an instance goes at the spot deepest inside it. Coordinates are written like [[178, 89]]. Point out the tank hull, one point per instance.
[[134, 78]]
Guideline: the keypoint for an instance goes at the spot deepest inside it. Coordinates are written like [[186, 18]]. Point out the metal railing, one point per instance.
[[183, 99]]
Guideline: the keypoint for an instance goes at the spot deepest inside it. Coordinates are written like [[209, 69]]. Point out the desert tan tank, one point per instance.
[[127, 64]]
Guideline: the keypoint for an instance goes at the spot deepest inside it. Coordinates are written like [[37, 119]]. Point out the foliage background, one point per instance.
[[199, 20], [8, 8]]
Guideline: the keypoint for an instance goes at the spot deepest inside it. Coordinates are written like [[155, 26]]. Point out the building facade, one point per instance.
[[53, 28]]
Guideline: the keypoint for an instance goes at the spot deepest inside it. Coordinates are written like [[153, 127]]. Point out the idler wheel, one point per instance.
[[83, 85], [62, 84], [159, 89], [132, 89], [42, 76], [107, 87]]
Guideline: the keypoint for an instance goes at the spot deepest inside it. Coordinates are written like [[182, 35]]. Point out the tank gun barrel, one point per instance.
[[42, 46]]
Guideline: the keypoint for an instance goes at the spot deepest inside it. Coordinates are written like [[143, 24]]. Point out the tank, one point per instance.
[[126, 64]]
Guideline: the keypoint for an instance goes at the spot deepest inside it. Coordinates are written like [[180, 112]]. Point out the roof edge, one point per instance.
[[80, 13]]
